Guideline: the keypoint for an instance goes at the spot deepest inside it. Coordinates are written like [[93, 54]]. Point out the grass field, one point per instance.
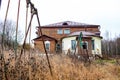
[[63, 68]]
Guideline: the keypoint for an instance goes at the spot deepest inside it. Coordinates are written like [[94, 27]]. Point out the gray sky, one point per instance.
[[102, 12]]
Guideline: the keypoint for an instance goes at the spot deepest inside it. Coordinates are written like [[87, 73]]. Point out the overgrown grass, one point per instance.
[[63, 68], [112, 61]]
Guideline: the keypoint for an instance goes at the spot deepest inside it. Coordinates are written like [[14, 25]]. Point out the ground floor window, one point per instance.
[[47, 45], [85, 45], [93, 44], [58, 47], [73, 44]]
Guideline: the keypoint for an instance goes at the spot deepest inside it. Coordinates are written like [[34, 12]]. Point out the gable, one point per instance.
[[45, 38]]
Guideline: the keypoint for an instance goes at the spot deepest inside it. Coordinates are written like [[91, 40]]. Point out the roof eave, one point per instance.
[[70, 26]]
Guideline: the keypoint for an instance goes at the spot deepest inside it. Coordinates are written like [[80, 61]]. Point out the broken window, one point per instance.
[[65, 23]]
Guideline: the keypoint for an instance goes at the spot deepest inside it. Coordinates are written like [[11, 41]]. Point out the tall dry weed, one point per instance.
[[63, 68]]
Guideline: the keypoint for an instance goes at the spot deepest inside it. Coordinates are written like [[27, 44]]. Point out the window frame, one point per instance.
[[86, 42], [58, 47], [93, 44], [47, 43], [66, 31], [73, 44], [59, 31]]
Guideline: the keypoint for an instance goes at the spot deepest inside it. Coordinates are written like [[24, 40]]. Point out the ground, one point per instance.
[[62, 66]]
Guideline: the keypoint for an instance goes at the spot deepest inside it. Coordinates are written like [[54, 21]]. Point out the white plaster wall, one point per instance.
[[67, 43], [97, 45]]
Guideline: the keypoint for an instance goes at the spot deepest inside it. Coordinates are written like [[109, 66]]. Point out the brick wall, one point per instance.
[[52, 32], [39, 45]]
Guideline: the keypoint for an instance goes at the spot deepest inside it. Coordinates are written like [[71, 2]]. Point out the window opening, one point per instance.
[[73, 44], [59, 31], [67, 31]]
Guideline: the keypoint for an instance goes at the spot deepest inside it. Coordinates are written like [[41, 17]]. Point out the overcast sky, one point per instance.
[[101, 12]]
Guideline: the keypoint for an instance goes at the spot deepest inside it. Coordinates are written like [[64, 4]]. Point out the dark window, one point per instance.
[[85, 45], [47, 46], [93, 44], [97, 33], [57, 47], [65, 23], [73, 44]]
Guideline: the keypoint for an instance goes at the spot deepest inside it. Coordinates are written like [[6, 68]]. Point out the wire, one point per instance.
[[27, 5], [3, 35], [34, 12], [26, 17], [44, 44], [23, 47], [4, 25], [17, 29]]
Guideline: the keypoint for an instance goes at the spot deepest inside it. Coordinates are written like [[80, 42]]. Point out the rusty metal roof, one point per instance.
[[45, 37], [85, 34], [69, 23]]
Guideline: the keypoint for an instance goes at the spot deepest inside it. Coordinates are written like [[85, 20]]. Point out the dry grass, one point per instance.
[[63, 68]]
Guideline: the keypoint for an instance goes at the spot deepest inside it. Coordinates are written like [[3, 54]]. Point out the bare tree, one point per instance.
[[9, 34], [111, 47]]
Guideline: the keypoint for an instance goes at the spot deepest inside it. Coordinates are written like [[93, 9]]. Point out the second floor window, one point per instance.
[[67, 31], [59, 31]]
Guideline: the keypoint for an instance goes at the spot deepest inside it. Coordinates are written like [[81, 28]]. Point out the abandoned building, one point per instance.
[[62, 36]]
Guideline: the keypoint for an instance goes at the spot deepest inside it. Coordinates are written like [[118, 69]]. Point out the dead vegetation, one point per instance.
[[63, 68]]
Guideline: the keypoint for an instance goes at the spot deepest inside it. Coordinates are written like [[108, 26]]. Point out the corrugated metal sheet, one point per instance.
[[70, 23]]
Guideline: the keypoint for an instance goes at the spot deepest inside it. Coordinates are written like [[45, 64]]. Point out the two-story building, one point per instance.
[[59, 37]]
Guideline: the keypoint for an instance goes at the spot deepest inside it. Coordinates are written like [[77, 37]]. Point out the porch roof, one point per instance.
[[45, 38], [86, 34]]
